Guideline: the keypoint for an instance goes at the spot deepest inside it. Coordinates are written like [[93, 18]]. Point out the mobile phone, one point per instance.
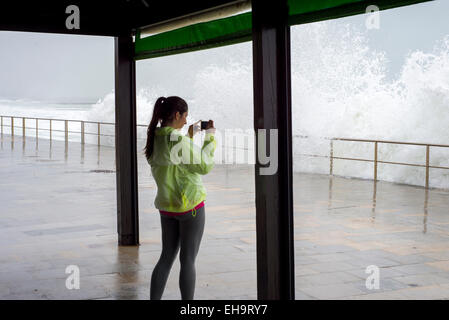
[[204, 125]]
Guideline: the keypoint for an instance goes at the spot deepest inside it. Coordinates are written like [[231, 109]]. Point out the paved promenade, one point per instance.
[[58, 208]]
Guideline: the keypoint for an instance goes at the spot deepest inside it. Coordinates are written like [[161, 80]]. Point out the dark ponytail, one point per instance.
[[164, 110]]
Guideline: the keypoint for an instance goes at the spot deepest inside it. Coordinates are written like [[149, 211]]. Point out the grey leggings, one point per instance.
[[183, 232]]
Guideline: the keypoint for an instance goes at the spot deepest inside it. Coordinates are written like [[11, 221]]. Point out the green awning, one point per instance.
[[318, 10], [236, 29], [199, 36]]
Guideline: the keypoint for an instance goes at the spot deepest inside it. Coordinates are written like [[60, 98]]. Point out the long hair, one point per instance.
[[164, 110]]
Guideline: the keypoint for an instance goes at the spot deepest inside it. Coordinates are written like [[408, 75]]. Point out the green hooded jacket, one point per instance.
[[177, 164]]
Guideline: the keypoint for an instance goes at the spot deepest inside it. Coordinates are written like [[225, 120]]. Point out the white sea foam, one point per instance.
[[341, 90]]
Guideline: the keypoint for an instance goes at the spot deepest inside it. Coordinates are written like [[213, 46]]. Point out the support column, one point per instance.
[[126, 142], [272, 110]]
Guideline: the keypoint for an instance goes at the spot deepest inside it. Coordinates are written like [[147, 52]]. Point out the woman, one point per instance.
[[180, 191]]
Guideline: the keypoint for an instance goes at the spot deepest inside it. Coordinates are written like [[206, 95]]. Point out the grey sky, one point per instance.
[[64, 68], [407, 29]]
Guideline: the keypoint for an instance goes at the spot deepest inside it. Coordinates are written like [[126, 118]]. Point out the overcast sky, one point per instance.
[[71, 68]]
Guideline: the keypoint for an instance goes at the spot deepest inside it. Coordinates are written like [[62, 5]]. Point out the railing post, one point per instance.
[[23, 127], [66, 131], [37, 130], [50, 129], [331, 170], [82, 132], [12, 127], [427, 165], [98, 123], [223, 150], [2, 124], [375, 161]]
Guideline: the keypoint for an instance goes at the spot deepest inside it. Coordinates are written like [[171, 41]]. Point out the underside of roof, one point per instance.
[[238, 28], [97, 17], [131, 17]]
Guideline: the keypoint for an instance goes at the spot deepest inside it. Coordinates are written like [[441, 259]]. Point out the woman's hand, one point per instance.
[[194, 128], [210, 127], [210, 124]]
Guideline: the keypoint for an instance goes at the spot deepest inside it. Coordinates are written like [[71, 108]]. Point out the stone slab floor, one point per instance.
[[58, 208]]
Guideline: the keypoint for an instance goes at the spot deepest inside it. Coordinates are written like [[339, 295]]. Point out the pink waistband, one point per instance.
[[168, 213]]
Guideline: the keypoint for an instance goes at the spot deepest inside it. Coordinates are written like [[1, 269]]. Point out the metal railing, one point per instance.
[[331, 156], [376, 160], [66, 130]]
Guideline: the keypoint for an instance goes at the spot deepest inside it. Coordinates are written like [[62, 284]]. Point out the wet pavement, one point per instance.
[[58, 208]]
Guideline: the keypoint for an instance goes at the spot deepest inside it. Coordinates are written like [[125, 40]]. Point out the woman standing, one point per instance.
[[177, 165]]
